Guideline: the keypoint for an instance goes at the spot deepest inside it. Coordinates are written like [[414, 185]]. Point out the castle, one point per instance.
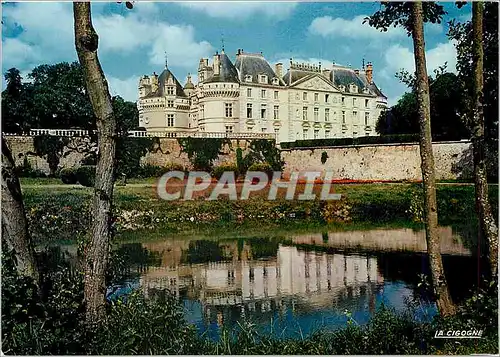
[[249, 96]]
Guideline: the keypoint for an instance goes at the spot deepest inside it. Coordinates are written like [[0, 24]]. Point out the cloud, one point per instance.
[[328, 26], [398, 57], [125, 88], [242, 10]]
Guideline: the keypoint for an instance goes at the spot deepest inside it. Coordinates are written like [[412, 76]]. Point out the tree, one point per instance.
[[14, 223], [487, 225], [97, 252], [412, 15], [446, 101]]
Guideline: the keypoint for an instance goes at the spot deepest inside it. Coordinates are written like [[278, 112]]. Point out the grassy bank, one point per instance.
[[63, 212]]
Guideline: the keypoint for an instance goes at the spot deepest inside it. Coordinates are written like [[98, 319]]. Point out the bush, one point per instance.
[[27, 171], [262, 167], [68, 176], [86, 175], [219, 170], [324, 157]]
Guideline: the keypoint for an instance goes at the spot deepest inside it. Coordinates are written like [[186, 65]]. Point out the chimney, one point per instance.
[[369, 72], [356, 71], [239, 52], [279, 70], [216, 64]]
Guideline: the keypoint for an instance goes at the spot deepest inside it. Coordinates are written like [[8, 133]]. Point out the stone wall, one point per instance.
[[381, 162], [377, 162]]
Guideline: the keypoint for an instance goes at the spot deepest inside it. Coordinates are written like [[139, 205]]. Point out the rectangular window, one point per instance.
[[202, 111], [305, 134], [276, 112], [354, 102], [316, 134], [316, 114], [276, 94], [276, 131], [343, 116], [327, 97], [367, 102], [343, 100], [229, 110], [170, 120], [304, 113], [263, 111], [170, 90], [355, 117], [327, 134], [367, 118], [327, 114], [304, 96], [263, 93], [249, 110], [249, 92], [316, 97], [249, 128], [264, 130], [170, 103], [229, 129]]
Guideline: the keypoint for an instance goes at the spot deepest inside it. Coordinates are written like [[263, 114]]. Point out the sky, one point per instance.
[[133, 42]]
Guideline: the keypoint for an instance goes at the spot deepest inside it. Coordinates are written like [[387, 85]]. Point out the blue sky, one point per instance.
[[134, 42]]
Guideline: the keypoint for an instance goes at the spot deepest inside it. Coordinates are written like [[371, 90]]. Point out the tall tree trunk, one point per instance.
[[14, 223], [487, 225], [444, 302], [96, 257]]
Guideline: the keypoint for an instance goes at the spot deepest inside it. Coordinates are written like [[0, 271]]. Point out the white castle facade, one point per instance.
[[249, 96]]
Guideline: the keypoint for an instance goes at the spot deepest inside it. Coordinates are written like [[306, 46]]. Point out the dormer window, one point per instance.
[[263, 78], [275, 81], [353, 88], [170, 90], [342, 88], [248, 78], [366, 91]]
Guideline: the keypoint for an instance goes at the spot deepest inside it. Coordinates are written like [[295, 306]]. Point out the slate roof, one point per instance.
[[254, 65], [228, 72], [372, 87], [164, 76], [296, 75]]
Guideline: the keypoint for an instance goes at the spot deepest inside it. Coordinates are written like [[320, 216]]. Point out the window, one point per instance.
[[249, 110], [263, 79], [170, 120], [367, 102], [276, 93], [354, 102], [229, 110], [263, 93], [316, 114], [248, 78], [343, 100], [304, 113], [170, 90], [343, 116], [202, 111], [276, 81], [327, 97], [316, 97], [305, 134], [276, 131], [367, 118], [327, 114], [327, 134], [297, 96], [229, 129], [355, 117], [276, 112], [249, 128], [316, 133], [202, 77], [264, 130], [170, 103], [249, 92], [304, 96], [263, 111]]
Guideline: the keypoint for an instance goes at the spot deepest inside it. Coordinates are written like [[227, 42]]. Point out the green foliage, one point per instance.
[[363, 140], [202, 152], [219, 170], [27, 171], [52, 149], [85, 175], [394, 14], [240, 164], [264, 151], [324, 157], [262, 167], [129, 152], [146, 171], [68, 176]]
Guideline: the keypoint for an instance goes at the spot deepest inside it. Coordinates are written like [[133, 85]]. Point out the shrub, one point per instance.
[[68, 176], [26, 170], [262, 167], [219, 170], [86, 175], [324, 157]]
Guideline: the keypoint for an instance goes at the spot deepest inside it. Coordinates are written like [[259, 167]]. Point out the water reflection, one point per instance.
[[301, 282]]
